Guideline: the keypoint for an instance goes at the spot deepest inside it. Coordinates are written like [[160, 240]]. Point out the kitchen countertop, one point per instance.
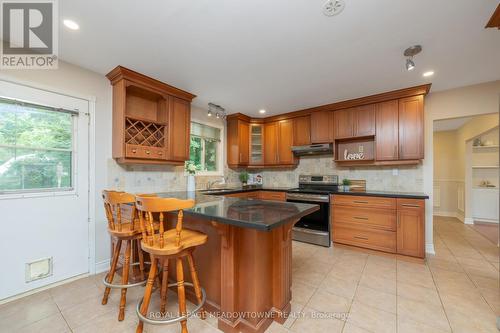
[[243, 212], [389, 194]]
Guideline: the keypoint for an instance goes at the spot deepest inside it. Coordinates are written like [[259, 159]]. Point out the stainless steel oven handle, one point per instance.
[[302, 197], [309, 231]]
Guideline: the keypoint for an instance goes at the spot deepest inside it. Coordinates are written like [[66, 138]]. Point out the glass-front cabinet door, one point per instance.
[[256, 144]]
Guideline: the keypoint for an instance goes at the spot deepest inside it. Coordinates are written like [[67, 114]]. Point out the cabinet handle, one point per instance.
[[410, 205], [395, 150], [400, 151], [361, 202], [134, 151], [361, 218], [148, 152], [399, 222], [359, 237], [160, 153]]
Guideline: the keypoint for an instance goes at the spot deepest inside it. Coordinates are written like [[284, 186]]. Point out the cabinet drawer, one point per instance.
[[377, 218], [154, 153], [365, 237], [134, 151], [364, 201], [253, 195], [270, 195], [412, 204]]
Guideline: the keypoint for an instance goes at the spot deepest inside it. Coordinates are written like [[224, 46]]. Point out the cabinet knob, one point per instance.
[[148, 152], [134, 151], [160, 153]]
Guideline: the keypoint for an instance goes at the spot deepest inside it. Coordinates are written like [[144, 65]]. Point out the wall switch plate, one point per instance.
[[395, 172]]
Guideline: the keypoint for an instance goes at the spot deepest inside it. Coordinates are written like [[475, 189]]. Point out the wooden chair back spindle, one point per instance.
[[147, 205], [112, 205]]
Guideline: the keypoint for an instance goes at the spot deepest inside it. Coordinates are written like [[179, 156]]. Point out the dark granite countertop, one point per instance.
[[242, 212], [388, 194], [223, 191]]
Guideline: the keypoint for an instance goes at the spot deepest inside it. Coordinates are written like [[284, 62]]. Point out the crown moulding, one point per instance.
[[377, 98]]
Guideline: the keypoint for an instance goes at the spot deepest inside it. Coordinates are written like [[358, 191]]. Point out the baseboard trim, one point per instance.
[[429, 249], [445, 214], [468, 220], [102, 266]]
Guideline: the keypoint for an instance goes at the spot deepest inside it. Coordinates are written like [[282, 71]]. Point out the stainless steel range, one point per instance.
[[314, 228]]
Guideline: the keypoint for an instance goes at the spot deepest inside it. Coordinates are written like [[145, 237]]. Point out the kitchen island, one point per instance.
[[246, 265]]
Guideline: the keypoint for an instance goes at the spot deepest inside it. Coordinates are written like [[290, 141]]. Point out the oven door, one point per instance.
[[315, 227]]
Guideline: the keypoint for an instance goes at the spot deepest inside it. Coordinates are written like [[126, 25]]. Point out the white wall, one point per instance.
[[461, 102], [76, 81]]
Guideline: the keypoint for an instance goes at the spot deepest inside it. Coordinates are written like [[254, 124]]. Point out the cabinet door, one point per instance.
[[386, 135], [179, 127], [256, 144], [411, 128], [343, 121], [322, 127], [301, 131], [411, 227], [270, 143], [364, 120], [244, 142], [285, 142]]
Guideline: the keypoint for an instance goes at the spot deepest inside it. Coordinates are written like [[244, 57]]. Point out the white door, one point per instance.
[[44, 188]]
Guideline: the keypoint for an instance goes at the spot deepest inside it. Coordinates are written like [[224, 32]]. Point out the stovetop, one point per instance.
[[315, 189]]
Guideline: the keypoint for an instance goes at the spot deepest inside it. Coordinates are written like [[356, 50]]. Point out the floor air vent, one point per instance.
[[38, 269]]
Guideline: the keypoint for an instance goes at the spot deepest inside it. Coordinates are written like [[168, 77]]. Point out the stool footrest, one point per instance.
[[176, 319], [129, 285]]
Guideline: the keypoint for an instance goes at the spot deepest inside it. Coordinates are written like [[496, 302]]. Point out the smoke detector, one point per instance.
[[333, 7]]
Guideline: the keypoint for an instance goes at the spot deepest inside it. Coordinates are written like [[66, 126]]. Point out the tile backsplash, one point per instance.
[[150, 178], [408, 178]]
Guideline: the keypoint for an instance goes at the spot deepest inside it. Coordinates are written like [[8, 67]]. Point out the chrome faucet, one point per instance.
[[217, 181]]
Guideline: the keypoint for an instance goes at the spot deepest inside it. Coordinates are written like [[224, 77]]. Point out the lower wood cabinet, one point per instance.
[[262, 195], [386, 224]]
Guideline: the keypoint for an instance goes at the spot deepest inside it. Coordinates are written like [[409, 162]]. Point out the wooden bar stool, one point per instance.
[[165, 245], [123, 232]]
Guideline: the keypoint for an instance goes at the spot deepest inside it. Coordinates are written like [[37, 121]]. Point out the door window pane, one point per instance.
[[205, 147], [35, 148]]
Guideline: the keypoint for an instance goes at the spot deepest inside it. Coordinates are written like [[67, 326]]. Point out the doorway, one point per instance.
[[44, 188]]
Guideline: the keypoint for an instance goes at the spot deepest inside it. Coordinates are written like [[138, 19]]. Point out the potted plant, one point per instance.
[[346, 183], [190, 168], [244, 178]]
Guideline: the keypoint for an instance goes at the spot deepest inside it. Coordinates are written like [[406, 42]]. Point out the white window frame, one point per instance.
[[220, 151], [44, 192]]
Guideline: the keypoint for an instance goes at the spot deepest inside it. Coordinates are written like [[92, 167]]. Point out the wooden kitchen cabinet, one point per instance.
[[238, 142], [278, 142], [285, 142], [256, 144], [355, 122], [392, 225], [271, 143], [322, 127], [411, 227], [411, 128], [151, 119], [302, 131], [179, 131], [364, 121], [343, 124], [387, 131]]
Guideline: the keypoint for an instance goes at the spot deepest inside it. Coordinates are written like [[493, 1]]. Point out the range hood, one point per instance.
[[317, 149]]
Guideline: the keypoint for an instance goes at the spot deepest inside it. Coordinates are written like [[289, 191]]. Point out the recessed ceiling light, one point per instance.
[[262, 111], [71, 24], [429, 73]]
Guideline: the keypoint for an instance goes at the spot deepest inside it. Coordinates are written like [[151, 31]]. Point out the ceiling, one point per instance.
[[450, 124], [284, 55]]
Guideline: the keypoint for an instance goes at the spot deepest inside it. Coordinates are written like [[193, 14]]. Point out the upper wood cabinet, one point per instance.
[[151, 119], [355, 122], [271, 143], [343, 124], [411, 227], [238, 140], [256, 144], [179, 132], [302, 131], [387, 131], [285, 142], [411, 128], [322, 127]]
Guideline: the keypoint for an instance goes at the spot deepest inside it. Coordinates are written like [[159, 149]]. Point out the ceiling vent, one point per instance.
[[333, 7]]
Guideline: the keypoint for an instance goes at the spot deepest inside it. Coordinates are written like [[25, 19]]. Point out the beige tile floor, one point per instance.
[[351, 290]]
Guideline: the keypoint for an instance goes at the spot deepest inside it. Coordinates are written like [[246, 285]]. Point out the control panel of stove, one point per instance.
[[319, 179]]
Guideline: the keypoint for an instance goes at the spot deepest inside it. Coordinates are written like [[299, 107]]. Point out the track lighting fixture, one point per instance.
[[409, 53], [220, 112]]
